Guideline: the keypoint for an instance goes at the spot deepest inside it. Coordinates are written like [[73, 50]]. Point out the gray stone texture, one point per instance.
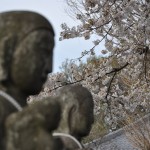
[[77, 113], [71, 111], [26, 50], [118, 140], [32, 127]]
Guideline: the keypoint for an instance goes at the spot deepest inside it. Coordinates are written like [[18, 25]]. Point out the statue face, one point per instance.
[[32, 61]]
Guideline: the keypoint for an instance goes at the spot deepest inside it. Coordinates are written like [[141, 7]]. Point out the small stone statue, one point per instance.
[[26, 50], [31, 128], [77, 113]]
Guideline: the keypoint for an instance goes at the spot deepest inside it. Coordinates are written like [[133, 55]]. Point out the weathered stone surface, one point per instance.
[[31, 128], [118, 140], [5, 109], [41, 117], [26, 50], [77, 112]]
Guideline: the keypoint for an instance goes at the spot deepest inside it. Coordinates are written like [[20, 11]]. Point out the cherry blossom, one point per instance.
[[120, 81]]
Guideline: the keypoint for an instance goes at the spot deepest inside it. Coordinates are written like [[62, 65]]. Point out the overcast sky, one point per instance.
[[54, 11]]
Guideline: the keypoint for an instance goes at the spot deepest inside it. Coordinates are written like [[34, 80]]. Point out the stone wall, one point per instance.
[[118, 140]]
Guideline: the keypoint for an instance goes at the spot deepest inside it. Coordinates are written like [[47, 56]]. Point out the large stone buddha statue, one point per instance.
[[26, 51]]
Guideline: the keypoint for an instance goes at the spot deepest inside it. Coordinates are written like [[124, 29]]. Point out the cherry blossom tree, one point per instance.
[[120, 82]]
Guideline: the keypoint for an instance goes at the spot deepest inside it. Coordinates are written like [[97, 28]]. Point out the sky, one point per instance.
[[54, 11]]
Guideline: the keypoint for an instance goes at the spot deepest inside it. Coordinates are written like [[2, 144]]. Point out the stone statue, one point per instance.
[[71, 110], [77, 113], [26, 50], [31, 128]]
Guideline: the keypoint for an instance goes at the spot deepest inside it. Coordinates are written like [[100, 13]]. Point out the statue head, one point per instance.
[[77, 111], [26, 50]]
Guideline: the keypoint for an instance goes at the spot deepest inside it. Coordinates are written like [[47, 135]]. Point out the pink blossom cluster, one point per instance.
[[119, 83]]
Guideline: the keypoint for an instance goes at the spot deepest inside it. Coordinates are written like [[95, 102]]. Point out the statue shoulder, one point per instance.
[[6, 108]]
